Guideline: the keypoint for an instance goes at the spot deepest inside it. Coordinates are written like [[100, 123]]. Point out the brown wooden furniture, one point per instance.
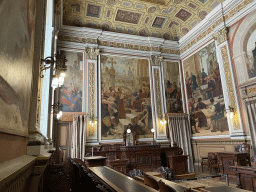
[[204, 162], [213, 161], [150, 181], [117, 164], [95, 161], [179, 164], [145, 157], [227, 159], [245, 177], [116, 181]]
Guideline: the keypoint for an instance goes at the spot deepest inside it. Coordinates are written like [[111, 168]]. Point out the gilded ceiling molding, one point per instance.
[[231, 94], [91, 53], [210, 29]]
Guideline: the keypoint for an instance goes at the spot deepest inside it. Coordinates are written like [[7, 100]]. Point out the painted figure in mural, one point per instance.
[[202, 121], [217, 79], [204, 77], [120, 103], [192, 112], [108, 122], [71, 99], [177, 105], [194, 84], [215, 115], [188, 87]]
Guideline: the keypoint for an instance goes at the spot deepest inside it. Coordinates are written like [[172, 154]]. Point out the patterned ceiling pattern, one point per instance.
[[168, 19]]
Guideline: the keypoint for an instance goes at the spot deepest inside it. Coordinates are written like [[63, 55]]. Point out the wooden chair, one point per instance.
[[212, 161], [204, 162], [150, 181], [244, 148], [165, 188]]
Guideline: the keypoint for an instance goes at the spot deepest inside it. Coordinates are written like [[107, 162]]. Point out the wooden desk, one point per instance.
[[227, 159], [179, 164], [116, 181], [118, 164], [245, 177], [95, 161], [145, 157]]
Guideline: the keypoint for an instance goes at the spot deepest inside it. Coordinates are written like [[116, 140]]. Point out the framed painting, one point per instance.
[[71, 92], [173, 95], [125, 96], [204, 93]]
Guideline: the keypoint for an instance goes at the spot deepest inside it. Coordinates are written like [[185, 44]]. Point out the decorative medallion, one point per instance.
[[183, 14], [192, 5], [106, 26], [152, 9], [146, 20], [108, 13], [128, 16], [77, 21], [202, 1], [167, 11], [173, 23], [111, 2], [167, 36], [185, 30], [143, 32], [76, 6], [202, 14], [158, 22], [93, 10], [178, 1]]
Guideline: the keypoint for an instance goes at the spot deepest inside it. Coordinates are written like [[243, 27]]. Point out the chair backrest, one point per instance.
[[212, 158], [111, 155], [150, 181]]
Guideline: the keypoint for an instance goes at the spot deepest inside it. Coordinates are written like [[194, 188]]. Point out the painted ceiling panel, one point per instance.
[[169, 19]]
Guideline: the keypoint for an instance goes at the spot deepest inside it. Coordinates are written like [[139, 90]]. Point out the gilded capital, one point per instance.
[[156, 60], [92, 53], [221, 35]]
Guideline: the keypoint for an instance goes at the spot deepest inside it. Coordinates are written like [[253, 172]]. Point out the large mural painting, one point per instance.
[[125, 96], [71, 91], [172, 87], [204, 93], [16, 60]]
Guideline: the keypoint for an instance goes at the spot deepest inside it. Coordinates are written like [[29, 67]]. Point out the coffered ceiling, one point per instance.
[[168, 19]]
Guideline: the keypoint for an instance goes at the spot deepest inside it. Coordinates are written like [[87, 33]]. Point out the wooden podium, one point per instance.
[[179, 164]]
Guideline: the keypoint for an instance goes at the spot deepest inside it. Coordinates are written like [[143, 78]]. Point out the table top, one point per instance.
[[224, 189], [118, 181], [95, 158]]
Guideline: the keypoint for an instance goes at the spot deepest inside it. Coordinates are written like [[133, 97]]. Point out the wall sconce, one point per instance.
[[56, 109], [60, 69]]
